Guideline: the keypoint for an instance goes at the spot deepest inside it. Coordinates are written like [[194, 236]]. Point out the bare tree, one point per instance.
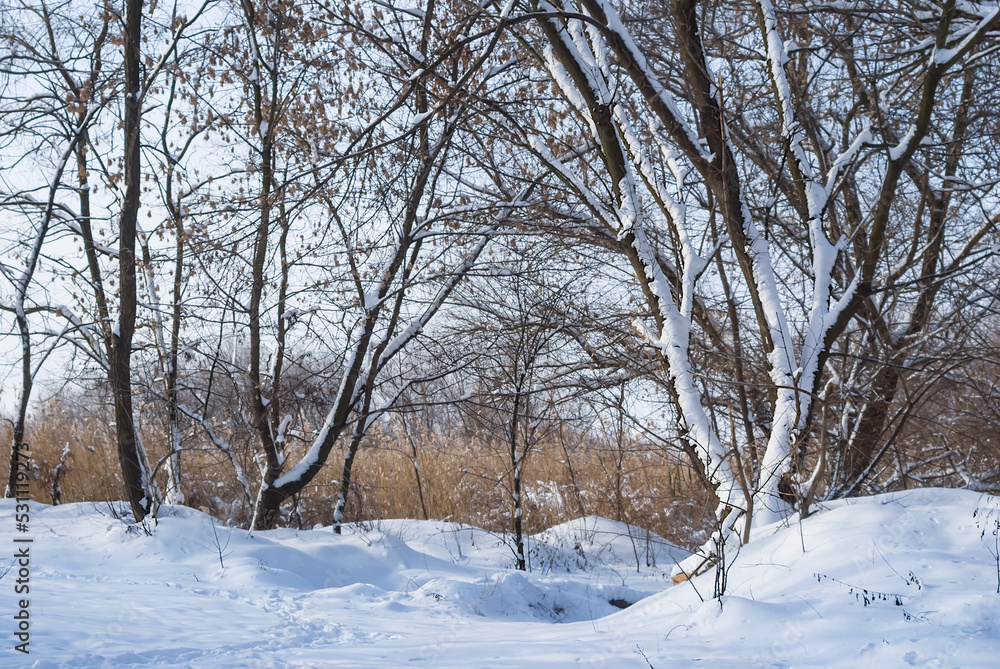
[[35, 116], [777, 218], [666, 142], [523, 371]]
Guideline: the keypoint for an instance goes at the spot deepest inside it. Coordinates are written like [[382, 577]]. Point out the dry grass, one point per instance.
[[467, 480], [462, 478]]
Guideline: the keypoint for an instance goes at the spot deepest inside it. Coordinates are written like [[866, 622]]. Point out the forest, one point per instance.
[[691, 266]]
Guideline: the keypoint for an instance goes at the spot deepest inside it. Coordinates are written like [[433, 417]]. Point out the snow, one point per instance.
[[292, 313], [944, 57], [311, 456], [420, 118], [196, 593], [896, 152], [614, 23], [566, 85], [847, 156]]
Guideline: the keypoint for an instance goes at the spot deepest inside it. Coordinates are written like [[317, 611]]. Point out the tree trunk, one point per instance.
[[860, 450], [120, 372]]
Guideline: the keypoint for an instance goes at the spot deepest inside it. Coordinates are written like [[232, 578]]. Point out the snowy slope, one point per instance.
[[432, 594]]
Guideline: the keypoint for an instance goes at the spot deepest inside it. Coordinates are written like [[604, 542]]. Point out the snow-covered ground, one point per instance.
[[431, 594]]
